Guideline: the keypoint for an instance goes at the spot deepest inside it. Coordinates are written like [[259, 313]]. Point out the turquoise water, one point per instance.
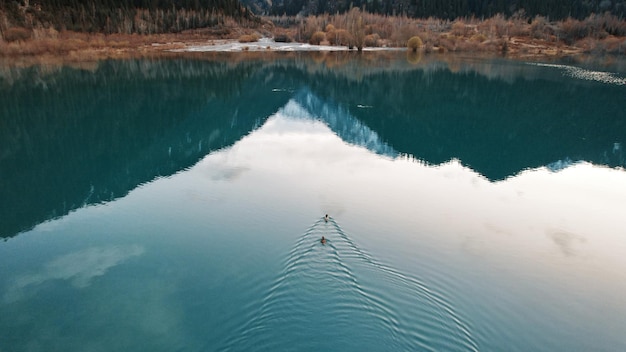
[[178, 205]]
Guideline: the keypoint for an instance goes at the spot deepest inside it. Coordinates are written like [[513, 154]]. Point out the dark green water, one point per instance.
[[177, 205]]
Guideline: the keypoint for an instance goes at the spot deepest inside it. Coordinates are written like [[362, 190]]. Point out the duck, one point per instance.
[[323, 240], [326, 218]]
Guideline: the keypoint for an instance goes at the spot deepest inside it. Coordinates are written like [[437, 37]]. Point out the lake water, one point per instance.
[[178, 205]]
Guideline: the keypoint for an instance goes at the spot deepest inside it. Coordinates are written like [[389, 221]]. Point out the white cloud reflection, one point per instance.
[[567, 222], [79, 268], [548, 238]]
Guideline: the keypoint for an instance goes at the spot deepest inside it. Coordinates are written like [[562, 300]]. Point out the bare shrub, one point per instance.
[[401, 35], [592, 26], [283, 21], [495, 27], [447, 43], [595, 26], [345, 37], [331, 36], [414, 43], [282, 38], [356, 27], [478, 38], [517, 29], [459, 28], [518, 24], [372, 40], [383, 27], [340, 37], [317, 38], [248, 38], [613, 25], [538, 27], [427, 38], [306, 28]]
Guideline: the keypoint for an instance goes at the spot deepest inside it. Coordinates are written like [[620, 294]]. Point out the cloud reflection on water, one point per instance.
[[532, 220], [79, 268], [566, 241], [551, 237]]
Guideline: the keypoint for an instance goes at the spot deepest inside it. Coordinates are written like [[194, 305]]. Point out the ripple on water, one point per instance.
[[589, 75], [338, 297]]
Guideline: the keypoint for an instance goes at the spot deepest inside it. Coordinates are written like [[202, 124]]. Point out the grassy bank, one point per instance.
[[516, 36]]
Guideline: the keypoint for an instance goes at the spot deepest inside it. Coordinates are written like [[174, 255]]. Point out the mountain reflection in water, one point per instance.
[[534, 231], [73, 137]]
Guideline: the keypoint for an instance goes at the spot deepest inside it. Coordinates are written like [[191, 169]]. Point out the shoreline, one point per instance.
[[516, 37], [76, 49]]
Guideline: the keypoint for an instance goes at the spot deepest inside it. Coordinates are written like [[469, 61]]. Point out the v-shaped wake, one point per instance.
[[335, 296]]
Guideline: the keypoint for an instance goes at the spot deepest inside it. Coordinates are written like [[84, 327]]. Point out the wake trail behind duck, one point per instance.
[[410, 289], [339, 291]]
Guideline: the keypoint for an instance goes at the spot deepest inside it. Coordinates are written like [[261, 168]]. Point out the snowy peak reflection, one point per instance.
[[293, 157], [307, 106], [497, 128]]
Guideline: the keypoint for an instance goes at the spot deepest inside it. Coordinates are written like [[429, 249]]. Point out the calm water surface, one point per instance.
[[177, 205]]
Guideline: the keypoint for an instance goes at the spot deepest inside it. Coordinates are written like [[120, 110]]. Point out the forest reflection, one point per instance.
[[73, 136]]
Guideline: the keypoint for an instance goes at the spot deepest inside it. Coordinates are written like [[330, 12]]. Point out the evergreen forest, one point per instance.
[[452, 9], [120, 16]]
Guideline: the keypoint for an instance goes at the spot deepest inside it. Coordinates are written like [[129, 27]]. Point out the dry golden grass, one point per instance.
[[283, 37], [248, 38], [515, 36], [317, 38], [414, 43], [17, 34], [372, 40], [339, 37]]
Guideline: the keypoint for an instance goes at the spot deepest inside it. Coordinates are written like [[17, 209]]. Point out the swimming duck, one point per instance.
[[326, 218], [323, 240]]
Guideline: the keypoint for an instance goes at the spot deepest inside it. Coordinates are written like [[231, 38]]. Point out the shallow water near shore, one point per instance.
[[156, 205]]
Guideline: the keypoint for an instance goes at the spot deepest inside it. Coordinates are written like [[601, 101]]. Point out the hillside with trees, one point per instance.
[[96, 29], [119, 16], [446, 9]]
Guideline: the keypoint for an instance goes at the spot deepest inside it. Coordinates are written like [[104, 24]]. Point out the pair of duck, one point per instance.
[[326, 218]]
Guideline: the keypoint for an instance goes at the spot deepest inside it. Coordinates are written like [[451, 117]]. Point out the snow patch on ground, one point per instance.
[[265, 44]]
